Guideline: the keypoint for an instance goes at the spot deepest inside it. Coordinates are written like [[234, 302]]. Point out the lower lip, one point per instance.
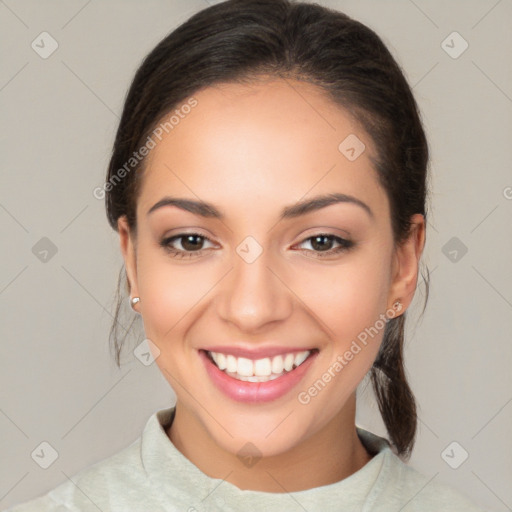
[[243, 391]]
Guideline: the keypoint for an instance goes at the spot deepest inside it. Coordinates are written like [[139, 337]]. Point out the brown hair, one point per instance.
[[239, 40]]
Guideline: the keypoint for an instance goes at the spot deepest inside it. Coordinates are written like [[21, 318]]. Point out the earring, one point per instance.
[[397, 306], [133, 301]]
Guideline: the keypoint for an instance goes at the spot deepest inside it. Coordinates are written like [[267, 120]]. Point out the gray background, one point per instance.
[[58, 381]]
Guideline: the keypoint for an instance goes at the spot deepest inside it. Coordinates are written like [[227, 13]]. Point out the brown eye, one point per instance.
[[322, 244], [185, 244], [192, 242]]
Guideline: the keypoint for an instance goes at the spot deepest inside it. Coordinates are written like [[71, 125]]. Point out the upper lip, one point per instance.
[[255, 353]]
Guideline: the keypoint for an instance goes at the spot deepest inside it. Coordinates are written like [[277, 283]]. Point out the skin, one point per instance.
[[251, 150]]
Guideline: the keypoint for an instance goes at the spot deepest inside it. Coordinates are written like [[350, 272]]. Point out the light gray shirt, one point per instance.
[[151, 475]]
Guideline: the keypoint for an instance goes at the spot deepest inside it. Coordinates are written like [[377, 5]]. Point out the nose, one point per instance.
[[254, 295]]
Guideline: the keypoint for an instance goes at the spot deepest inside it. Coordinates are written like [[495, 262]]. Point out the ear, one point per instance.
[[406, 263], [128, 249]]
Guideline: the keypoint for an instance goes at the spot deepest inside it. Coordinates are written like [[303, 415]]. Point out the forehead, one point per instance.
[[276, 139]]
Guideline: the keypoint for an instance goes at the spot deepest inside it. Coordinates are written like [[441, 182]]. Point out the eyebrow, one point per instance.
[[205, 209]]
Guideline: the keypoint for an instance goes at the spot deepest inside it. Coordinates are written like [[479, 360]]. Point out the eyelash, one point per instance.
[[345, 245]]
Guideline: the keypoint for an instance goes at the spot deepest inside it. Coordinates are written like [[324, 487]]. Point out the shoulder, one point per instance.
[[413, 491], [41, 504], [121, 482], [92, 487]]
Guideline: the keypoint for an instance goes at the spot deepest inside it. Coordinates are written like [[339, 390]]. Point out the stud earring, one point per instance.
[[397, 306], [133, 301]]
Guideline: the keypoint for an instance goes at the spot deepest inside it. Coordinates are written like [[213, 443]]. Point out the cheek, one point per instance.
[[168, 293], [347, 298], [351, 304]]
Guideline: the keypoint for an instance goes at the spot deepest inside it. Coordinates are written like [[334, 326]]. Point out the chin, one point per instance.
[[266, 435]]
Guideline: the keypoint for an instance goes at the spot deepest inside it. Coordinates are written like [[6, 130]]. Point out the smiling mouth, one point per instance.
[[259, 370]]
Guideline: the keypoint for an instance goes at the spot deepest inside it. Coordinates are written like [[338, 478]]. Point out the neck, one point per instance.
[[329, 455]]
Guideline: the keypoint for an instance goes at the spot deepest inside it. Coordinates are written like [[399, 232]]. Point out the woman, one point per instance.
[[268, 183]]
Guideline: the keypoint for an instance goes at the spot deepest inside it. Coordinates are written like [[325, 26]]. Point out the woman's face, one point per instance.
[[257, 266]]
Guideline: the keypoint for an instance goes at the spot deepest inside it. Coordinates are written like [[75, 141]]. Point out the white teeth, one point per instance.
[[245, 367], [221, 361], [277, 364], [253, 378], [263, 367], [288, 362], [260, 370], [301, 357], [231, 364]]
